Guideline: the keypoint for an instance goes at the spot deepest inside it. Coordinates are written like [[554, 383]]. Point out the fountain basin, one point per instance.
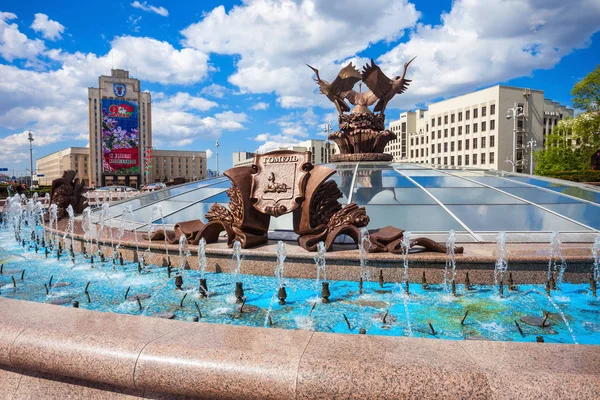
[[50, 349]]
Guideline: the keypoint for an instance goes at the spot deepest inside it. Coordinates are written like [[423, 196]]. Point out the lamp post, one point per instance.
[[327, 129], [530, 145], [514, 113], [217, 146], [30, 138]]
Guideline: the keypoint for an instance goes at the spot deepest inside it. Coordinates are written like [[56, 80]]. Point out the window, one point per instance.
[[483, 142], [432, 122], [491, 158], [452, 146], [474, 159], [412, 141], [466, 144], [412, 154], [483, 158], [475, 128], [482, 126], [445, 119], [432, 148], [460, 116], [459, 145], [433, 134], [422, 153], [460, 130], [492, 124], [446, 132], [452, 118], [451, 131], [445, 160], [467, 114], [433, 160], [439, 150], [483, 111], [422, 139], [426, 127], [439, 160], [439, 120], [474, 144], [466, 159], [493, 109], [445, 147], [451, 160], [492, 141], [459, 159], [474, 116], [467, 127], [439, 134]]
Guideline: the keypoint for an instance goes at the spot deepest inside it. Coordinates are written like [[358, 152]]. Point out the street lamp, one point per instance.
[[514, 113], [327, 129], [30, 138], [530, 145], [217, 146]]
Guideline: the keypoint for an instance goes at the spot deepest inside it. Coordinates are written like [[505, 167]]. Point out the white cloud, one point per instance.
[[133, 23], [14, 44], [181, 124], [320, 32], [146, 7], [209, 153], [261, 105], [49, 29], [483, 43], [215, 90], [184, 102]]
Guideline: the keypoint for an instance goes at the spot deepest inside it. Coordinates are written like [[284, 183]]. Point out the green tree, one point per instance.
[[574, 140], [586, 92]]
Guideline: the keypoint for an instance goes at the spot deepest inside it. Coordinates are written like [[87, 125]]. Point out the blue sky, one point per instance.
[[234, 71]]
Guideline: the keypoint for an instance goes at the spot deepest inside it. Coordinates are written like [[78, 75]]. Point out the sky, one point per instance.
[[235, 71]]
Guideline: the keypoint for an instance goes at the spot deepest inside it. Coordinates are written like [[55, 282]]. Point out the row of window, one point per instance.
[[467, 129], [468, 142], [467, 115], [468, 160]]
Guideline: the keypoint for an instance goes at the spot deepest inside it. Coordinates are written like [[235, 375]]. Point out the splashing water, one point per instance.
[[128, 216], [54, 222], [202, 257], [450, 268], [405, 250], [184, 252], [562, 315], [556, 262], [364, 246], [236, 260], [321, 264], [501, 263], [71, 227], [596, 255], [281, 255], [86, 225]]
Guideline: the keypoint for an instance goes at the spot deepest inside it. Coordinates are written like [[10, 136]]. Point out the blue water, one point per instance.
[[490, 316]]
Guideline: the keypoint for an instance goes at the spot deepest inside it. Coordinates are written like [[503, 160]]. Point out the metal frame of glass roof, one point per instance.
[[424, 199]]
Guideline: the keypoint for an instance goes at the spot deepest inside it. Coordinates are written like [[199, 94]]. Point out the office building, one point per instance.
[[53, 165], [473, 130]]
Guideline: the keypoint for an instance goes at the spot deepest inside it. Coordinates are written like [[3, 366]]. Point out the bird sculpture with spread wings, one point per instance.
[[383, 87], [335, 91]]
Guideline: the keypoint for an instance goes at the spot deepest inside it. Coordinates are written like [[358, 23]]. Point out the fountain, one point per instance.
[[450, 268], [281, 255], [321, 264], [556, 261], [501, 264], [363, 247], [405, 250]]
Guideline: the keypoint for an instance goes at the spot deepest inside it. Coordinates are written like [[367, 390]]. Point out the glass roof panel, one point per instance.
[[475, 195], [391, 195], [539, 196], [585, 213], [514, 217], [431, 218], [443, 181]]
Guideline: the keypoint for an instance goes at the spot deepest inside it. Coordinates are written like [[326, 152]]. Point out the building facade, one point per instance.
[[241, 158], [52, 166], [474, 130], [169, 164], [120, 109]]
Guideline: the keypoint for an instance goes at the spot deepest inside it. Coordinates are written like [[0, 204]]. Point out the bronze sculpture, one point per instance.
[[68, 190], [362, 135]]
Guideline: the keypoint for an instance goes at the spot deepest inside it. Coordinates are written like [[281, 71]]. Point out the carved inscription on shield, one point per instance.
[[279, 181]]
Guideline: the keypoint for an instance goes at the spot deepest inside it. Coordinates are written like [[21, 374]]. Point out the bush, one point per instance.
[[575, 176]]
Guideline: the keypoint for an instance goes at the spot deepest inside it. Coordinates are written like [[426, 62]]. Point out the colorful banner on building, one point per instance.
[[120, 137]]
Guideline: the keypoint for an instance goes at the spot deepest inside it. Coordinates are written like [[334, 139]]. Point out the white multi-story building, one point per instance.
[[53, 165], [474, 130]]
